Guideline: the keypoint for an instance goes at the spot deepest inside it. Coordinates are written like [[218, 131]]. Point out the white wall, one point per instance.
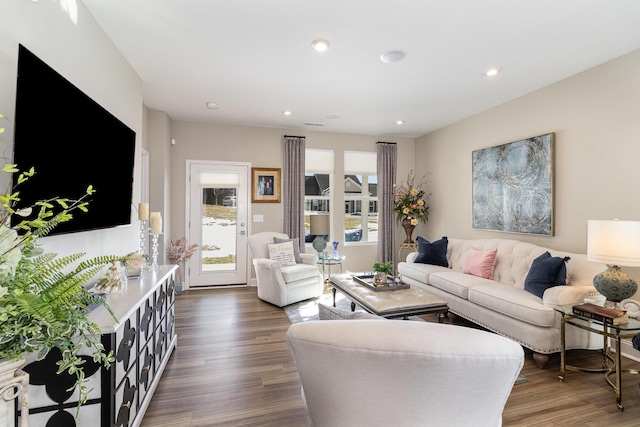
[[594, 116], [67, 38]]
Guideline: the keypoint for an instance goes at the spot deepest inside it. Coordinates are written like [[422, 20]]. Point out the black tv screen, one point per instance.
[[72, 142]]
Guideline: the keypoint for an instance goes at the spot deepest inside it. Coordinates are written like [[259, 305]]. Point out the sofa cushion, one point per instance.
[[419, 272], [292, 273], [513, 302], [432, 253], [296, 246], [282, 252], [480, 262], [457, 283], [545, 272]]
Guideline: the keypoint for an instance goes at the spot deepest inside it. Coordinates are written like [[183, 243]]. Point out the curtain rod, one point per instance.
[[389, 143], [294, 136]]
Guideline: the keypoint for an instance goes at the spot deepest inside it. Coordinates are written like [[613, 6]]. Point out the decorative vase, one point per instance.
[[335, 250], [408, 228], [131, 272], [12, 383]]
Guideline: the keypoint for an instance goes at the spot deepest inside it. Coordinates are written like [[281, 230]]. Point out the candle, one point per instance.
[[155, 222], [143, 211]]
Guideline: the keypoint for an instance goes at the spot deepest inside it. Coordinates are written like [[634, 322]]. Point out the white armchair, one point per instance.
[[283, 285], [402, 373]]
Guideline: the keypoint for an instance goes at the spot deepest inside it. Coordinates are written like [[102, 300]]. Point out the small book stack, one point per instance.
[[602, 314]]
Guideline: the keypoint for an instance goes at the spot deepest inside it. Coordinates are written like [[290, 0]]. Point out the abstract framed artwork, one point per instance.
[[265, 186], [513, 186]]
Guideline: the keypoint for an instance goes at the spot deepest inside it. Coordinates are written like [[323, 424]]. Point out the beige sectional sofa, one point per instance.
[[502, 304]]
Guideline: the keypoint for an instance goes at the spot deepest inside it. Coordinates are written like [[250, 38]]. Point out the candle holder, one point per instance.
[[143, 240], [154, 253]]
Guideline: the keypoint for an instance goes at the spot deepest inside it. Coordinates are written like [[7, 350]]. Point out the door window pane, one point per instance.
[[219, 219]]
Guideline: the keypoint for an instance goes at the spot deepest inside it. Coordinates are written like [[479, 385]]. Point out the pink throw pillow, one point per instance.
[[480, 263]]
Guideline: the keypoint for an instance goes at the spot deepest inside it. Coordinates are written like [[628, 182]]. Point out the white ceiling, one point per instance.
[[254, 58]]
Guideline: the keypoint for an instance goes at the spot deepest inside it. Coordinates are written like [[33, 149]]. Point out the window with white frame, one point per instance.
[[318, 182], [360, 196]]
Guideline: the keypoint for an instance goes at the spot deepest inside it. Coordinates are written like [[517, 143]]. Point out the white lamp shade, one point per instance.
[[614, 242], [319, 225]]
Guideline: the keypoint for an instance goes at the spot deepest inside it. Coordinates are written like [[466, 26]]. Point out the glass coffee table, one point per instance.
[[611, 364]]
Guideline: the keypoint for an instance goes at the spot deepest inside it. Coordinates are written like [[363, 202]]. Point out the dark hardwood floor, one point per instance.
[[232, 367]]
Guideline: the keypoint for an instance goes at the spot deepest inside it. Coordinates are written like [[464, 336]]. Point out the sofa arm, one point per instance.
[[266, 263], [308, 258], [564, 295], [411, 256]]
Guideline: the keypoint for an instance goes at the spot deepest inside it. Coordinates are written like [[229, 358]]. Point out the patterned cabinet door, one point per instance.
[[161, 303], [170, 313], [126, 400], [160, 344], [126, 348], [146, 370], [171, 288], [147, 324], [50, 402]]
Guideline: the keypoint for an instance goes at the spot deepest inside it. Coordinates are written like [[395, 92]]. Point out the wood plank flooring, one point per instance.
[[232, 367]]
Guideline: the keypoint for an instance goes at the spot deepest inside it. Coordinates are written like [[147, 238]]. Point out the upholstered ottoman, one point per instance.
[[390, 304]]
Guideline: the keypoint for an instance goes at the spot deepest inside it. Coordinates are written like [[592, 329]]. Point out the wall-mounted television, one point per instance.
[[72, 142]]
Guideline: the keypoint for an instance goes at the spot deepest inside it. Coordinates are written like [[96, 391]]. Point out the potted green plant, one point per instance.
[[381, 270], [43, 301]]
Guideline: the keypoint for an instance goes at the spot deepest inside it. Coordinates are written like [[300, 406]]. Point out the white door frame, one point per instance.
[[187, 212]]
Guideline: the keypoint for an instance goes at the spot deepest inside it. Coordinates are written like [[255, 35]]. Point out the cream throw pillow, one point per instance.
[[282, 252]]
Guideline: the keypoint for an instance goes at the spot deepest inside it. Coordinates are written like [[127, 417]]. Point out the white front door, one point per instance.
[[217, 205]]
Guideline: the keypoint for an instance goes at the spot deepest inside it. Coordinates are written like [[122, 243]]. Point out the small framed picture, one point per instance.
[[265, 186]]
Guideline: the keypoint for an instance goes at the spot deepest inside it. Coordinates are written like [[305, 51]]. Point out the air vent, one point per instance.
[[313, 124]]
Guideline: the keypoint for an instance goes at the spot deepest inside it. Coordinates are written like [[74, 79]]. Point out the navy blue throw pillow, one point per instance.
[[545, 272], [432, 253]]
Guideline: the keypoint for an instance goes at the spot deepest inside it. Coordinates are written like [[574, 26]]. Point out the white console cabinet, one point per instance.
[[142, 340]]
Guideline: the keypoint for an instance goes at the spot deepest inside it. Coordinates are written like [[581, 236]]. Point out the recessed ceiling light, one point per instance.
[[399, 122], [320, 45], [286, 113], [492, 72], [394, 55], [332, 116], [212, 105]]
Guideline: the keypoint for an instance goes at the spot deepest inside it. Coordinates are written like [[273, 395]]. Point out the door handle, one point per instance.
[[242, 233]]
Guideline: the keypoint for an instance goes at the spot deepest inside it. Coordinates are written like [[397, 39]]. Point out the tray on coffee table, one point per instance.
[[367, 280]]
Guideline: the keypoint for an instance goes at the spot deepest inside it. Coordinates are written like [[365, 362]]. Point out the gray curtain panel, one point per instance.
[[387, 155], [293, 187]]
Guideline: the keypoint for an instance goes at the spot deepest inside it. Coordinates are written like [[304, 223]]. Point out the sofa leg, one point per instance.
[[540, 359]]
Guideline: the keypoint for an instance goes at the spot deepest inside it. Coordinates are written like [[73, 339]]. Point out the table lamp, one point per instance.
[[615, 243], [319, 225]]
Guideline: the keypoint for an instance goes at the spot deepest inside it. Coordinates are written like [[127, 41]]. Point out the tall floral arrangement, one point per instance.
[[410, 200], [179, 251]]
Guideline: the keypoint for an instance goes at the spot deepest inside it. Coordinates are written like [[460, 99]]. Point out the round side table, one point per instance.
[[327, 262]]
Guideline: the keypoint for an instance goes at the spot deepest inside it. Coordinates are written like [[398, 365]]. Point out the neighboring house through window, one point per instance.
[[318, 181]]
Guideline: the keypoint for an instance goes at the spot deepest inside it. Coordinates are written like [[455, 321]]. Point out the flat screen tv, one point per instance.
[[72, 142]]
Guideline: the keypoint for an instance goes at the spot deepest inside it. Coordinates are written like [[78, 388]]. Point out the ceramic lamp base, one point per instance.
[[319, 244], [615, 285]]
